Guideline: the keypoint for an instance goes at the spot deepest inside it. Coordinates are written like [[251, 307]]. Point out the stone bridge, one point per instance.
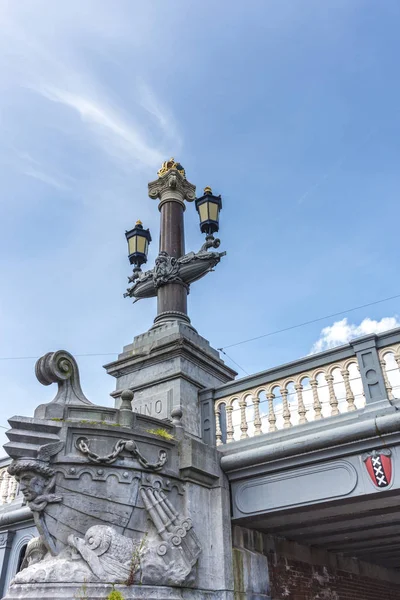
[[312, 448]]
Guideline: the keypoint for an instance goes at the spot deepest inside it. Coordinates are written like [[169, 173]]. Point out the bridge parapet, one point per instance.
[[322, 385]]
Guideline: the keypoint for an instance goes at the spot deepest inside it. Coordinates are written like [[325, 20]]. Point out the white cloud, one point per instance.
[[342, 332]]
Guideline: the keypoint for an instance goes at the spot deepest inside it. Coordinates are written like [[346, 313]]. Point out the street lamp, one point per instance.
[[208, 207], [138, 245]]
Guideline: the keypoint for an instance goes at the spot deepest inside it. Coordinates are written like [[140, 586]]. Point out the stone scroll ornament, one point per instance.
[[60, 367]]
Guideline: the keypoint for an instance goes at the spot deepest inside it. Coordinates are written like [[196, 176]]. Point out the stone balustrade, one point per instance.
[[8, 487], [322, 385]]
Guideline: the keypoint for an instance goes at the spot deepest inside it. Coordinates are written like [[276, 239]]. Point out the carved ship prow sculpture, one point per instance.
[[104, 488], [167, 269]]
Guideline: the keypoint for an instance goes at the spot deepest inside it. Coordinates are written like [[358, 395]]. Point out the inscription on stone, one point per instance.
[[152, 409], [154, 405]]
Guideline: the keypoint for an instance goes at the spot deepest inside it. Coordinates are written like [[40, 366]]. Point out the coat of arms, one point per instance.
[[379, 467]]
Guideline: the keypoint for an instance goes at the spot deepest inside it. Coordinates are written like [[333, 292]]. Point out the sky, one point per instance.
[[290, 110]]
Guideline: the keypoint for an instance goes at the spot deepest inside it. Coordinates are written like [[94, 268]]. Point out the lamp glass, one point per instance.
[[203, 212], [132, 244], [212, 211], [141, 244]]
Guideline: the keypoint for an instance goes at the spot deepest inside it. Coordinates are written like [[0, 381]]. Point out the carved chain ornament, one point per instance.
[[82, 444]]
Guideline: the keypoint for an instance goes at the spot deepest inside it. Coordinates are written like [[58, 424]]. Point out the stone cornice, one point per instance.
[[157, 381], [180, 347]]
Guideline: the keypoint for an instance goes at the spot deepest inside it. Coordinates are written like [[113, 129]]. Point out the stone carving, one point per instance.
[[101, 517], [172, 178], [35, 552], [171, 561], [166, 270], [82, 445], [110, 556], [166, 556], [184, 270], [60, 367], [36, 482]]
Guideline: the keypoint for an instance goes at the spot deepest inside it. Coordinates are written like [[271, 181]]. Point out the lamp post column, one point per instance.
[[172, 189]]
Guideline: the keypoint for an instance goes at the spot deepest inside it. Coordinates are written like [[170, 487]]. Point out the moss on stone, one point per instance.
[[163, 433]]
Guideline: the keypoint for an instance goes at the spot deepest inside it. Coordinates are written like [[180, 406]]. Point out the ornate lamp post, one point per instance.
[[174, 270]]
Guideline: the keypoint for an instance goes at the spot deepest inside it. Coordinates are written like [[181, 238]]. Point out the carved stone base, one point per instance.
[[93, 591]]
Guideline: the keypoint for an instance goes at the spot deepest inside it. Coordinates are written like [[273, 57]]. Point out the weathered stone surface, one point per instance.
[[165, 368], [119, 497], [92, 591]]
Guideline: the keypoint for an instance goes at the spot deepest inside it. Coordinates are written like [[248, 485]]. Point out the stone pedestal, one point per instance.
[[165, 368]]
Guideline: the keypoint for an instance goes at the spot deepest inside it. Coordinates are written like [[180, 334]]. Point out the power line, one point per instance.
[[234, 362], [337, 314], [223, 348]]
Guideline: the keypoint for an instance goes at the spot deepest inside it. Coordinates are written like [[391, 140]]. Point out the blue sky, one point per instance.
[[289, 109]]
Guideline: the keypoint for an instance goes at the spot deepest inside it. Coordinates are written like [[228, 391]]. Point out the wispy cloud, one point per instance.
[[45, 178], [163, 117], [54, 64], [115, 135], [342, 331]]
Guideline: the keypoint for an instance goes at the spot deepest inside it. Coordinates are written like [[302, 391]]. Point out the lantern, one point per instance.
[[208, 207], [138, 244]]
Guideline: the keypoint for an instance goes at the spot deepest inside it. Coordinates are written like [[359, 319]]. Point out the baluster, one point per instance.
[[316, 404], [271, 413], [218, 432], [349, 391], [243, 422], [229, 423], [12, 489], [389, 388], [333, 401], [257, 418], [300, 402], [397, 359], [285, 406], [4, 487]]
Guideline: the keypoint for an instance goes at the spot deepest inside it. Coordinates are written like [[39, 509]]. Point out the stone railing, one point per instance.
[[8, 487], [318, 386]]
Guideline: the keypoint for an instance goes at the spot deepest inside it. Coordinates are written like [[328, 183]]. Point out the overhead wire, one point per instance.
[[252, 339], [336, 314]]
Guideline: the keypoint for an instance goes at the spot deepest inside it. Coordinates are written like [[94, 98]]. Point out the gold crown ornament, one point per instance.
[[171, 164]]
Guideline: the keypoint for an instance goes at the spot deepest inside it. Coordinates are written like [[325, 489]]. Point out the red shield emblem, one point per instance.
[[379, 467]]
